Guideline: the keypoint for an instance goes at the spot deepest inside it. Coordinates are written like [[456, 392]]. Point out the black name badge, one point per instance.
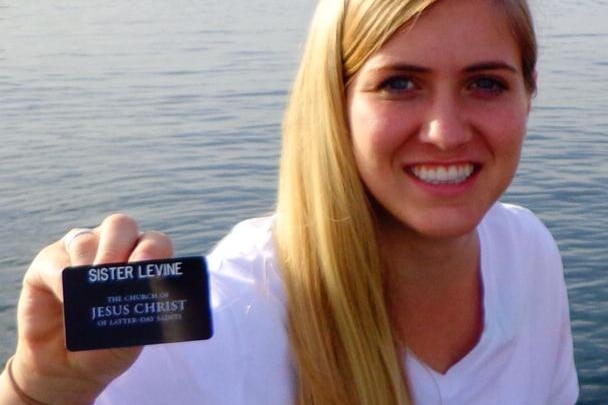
[[138, 303]]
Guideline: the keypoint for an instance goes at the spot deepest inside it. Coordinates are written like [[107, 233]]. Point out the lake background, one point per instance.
[[170, 112]]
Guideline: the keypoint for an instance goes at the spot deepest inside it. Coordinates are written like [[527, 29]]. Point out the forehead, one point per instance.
[[453, 31]]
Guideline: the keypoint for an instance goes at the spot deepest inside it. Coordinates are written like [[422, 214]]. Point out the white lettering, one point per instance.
[[160, 270], [104, 274], [109, 311], [159, 307]]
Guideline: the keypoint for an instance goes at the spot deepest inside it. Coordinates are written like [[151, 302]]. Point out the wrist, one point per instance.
[[41, 391], [23, 396], [8, 396]]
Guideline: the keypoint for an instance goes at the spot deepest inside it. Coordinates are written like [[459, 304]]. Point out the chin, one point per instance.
[[447, 225], [437, 226], [446, 230]]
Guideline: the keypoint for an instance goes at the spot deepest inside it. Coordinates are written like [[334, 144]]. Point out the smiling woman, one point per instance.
[[438, 116], [387, 209], [390, 273]]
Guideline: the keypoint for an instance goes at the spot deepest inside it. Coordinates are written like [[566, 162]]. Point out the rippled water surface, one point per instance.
[[170, 111]]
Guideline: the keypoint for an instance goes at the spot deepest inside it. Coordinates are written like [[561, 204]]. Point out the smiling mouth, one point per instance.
[[443, 174]]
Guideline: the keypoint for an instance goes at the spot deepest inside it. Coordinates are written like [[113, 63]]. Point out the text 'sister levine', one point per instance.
[[127, 272]]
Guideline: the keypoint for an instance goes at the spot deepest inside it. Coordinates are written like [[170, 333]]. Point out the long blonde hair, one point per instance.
[[340, 331]]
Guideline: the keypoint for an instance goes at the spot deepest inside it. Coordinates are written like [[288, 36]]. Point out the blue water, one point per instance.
[[170, 111]]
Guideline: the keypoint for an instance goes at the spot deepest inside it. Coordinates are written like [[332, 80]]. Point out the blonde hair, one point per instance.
[[340, 331]]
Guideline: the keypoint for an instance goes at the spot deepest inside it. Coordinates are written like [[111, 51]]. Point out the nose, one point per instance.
[[446, 125]]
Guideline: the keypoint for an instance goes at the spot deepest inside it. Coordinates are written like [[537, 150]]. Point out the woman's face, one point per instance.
[[438, 116]]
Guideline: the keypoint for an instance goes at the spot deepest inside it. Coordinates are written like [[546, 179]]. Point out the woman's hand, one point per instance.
[[42, 367]]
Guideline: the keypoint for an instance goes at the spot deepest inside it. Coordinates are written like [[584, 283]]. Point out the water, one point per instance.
[[170, 111]]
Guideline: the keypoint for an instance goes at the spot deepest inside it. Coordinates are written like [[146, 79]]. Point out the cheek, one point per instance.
[[375, 132], [506, 132]]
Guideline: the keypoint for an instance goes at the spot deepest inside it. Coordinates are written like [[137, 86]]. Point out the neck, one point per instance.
[[434, 294], [416, 260]]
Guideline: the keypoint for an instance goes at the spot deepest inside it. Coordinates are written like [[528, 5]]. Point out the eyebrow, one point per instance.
[[405, 67], [489, 65]]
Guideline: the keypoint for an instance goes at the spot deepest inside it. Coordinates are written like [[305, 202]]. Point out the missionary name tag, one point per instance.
[[138, 303]]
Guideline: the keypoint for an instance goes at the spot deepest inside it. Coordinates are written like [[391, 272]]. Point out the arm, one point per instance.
[[41, 367]]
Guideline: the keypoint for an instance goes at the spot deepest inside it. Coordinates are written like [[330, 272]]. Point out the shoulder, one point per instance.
[[248, 239], [513, 221], [522, 271], [244, 263], [253, 233], [521, 266], [247, 296], [517, 232], [518, 246]]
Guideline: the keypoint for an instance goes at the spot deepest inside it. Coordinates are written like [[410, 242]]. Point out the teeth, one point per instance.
[[452, 174]]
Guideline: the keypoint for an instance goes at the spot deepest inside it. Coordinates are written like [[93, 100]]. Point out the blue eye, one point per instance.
[[488, 85], [398, 84]]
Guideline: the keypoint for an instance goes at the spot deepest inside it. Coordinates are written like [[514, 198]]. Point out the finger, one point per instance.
[[45, 271], [81, 246], [118, 235], [152, 245]]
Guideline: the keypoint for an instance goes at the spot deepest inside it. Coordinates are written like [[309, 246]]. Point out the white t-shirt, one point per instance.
[[524, 355]]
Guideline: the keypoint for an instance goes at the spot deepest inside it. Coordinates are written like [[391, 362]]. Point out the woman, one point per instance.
[[389, 274]]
